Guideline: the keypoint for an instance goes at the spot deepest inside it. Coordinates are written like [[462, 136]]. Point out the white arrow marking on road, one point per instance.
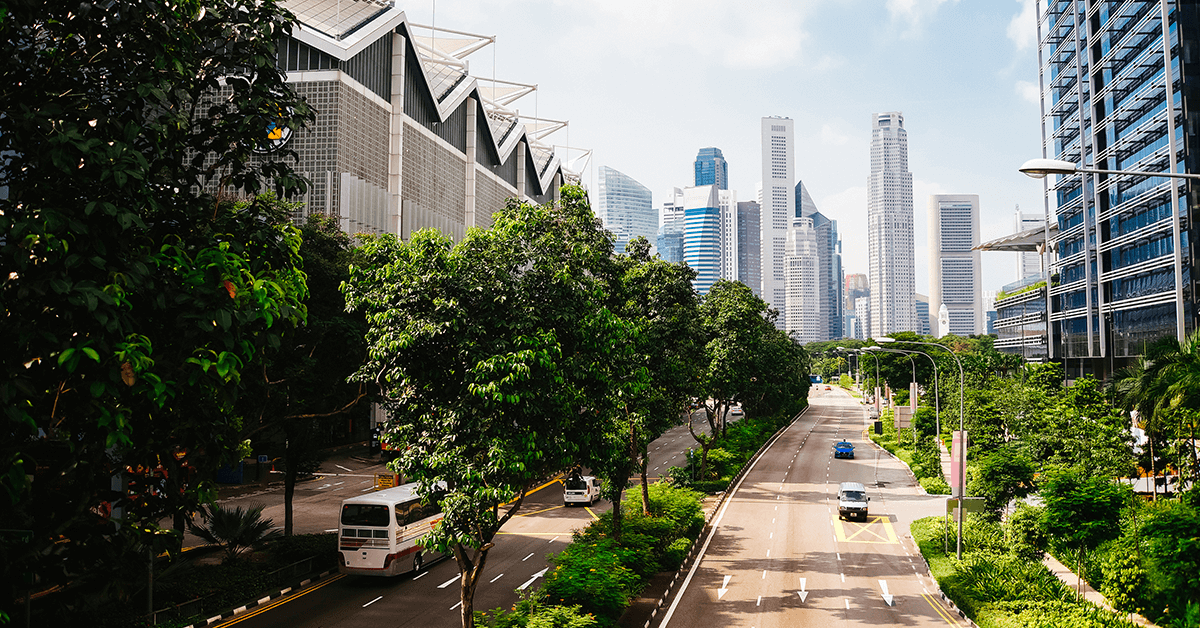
[[724, 587], [449, 582], [530, 581], [802, 593], [888, 598]]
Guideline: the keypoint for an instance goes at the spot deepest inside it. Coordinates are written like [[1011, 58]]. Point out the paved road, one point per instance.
[[432, 597], [780, 556]]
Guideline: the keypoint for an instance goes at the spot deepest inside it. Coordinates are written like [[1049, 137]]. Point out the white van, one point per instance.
[[580, 489], [852, 500]]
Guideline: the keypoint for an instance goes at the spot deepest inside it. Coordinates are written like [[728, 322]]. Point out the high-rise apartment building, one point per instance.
[[777, 204], [803, 301], [1030, 262], [1125, 250], [625, 208], [955, 268], [890, 228], [702, 235], [829, 263], [711, 168], [749, 237]]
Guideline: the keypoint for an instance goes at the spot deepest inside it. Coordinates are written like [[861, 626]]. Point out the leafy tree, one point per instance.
[[484, 353], [235, 529], [134, 298], [1082, 512], [1000, 476]]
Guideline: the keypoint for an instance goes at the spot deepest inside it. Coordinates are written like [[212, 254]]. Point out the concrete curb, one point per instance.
[[261, 601], [934, 584], [691, 557]]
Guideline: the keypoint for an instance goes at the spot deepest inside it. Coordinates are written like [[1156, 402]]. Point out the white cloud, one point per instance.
[[1022, 30], [913, 12], [1028, 91], [832, 135]]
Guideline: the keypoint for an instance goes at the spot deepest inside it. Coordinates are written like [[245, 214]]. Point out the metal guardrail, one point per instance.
[[199, 606]]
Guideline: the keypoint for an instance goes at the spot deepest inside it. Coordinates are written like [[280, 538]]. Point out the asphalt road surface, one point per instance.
[[780, 556], [431, 598]]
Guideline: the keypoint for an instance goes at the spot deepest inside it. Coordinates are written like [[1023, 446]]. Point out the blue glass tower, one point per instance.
[[702, 235], [711, 168]]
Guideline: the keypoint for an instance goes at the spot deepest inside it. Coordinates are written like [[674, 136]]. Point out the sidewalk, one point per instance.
[[1068, 577]]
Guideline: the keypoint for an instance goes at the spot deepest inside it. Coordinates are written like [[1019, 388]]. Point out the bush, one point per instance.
[[289, 549], [594, 577], [935, 485], [676, 553], [1026, 534], [532, 612]]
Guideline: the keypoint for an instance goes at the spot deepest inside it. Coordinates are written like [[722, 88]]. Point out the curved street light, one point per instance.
[[962, 461], [1039, 168]]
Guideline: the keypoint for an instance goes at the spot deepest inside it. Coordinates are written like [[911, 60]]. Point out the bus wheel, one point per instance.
[[418, 561]]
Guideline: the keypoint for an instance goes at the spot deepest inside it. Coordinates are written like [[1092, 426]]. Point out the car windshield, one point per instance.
[[852, 496], [844, 444], [575, 483]]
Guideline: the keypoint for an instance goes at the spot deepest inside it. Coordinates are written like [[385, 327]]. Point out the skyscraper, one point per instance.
[[890, 228], [625, 208], [670, 234], [702, 235], [711, 168], [1030, 262], [829, 263], [955, 270], [777, 209], [749, 238], [727, 202], [803, 303]]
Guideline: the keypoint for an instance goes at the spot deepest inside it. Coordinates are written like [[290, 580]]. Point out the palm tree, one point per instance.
[[236, 529]]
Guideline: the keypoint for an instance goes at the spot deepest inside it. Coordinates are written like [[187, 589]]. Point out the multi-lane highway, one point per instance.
[[780, 556]]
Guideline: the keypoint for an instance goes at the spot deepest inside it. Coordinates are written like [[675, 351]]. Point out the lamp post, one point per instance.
[[1039, 168], [962, 461]]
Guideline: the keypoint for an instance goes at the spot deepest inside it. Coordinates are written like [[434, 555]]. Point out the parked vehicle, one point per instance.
[[843, 449], [852, 500], [580, 489]]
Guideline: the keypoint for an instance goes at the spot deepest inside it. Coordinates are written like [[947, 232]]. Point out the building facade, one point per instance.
[[670, 233], [829, 264], [1030, 262], [749, 238], [923, 323], [955, 268], [1124, 258], [777, 204], [405, 138], [803, 302], [711, 168], [702, 235], [890, 228], [625, 207], [727, 202]]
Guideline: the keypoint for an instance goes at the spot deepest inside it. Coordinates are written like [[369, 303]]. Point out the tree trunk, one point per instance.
[[645, 484], [617, 518], [471, 572]]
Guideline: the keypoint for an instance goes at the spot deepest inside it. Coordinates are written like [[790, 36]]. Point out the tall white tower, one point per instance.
[[955, 270], [777, 207], [803, 302], [890, 228], [1030, 262]]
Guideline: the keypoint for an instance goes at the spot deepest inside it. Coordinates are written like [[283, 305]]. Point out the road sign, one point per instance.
[[386, 480], [974, 504]]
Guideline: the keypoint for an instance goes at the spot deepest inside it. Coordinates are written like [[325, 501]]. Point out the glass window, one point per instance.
[[365, 515]]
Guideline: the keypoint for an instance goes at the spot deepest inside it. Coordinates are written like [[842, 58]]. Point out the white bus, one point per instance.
[[378, 532]]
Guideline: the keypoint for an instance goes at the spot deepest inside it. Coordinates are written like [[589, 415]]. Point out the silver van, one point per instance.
[[852, 500]]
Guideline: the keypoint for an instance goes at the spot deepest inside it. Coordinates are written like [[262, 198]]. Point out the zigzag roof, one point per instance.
[[344, 28]]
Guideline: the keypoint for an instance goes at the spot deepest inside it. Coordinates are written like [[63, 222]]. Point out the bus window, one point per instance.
[[365, 515]]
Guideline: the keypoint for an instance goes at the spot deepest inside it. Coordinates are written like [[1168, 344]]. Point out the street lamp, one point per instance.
[[962, 460], [1038, 168]]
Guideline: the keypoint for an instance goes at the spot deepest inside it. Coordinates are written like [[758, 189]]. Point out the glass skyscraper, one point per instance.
[[626, 208], [711, 168], [1124, 259], [702, 235]]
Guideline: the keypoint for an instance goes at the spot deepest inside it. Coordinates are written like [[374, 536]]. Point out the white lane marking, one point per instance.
[[847, 603], [772, 518], [888, 598], [342, 468], [759, 602], [724, 588], [839, 555], [771, 536], [460, 604], [764, 577], [372, 601], [333, 530], [531, 579], [527, 557], [449, 582], [802, 593], [768, 553], [369, 488], [496, 578], [843, 577], [553, 539]]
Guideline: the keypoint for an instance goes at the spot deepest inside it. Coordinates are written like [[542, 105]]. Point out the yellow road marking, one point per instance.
[[539, 511], [942, 612], [589, 509], [866, 530], [286, 598]]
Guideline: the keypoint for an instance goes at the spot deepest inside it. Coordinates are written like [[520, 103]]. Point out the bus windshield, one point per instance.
[[374, 515]]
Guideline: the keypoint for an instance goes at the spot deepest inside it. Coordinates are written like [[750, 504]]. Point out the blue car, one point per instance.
[[843, 449]]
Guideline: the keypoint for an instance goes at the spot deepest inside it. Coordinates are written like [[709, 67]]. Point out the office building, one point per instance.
[[890, 228], [862, 311], [803, 302], [404, 137], [1030, 262], [777, 203], [922, 302], [670, 233], [711, 168], [1124, 257], [625, 208], [955, 268], [702, 235], [855, 286], [749, 239], [727, 203], [829, 263]]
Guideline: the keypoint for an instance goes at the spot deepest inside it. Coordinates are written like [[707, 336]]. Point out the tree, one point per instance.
[[134, 297], [1082, 512], [1000, 476], [484, 353]]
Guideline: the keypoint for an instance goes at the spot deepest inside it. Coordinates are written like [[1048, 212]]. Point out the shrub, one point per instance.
[[1026, 534], [532, 612], [235, 529], [935, 485], [594, 577], [676, 552]]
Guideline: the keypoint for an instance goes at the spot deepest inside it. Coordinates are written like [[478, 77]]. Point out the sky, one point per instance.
[[645, 84]]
